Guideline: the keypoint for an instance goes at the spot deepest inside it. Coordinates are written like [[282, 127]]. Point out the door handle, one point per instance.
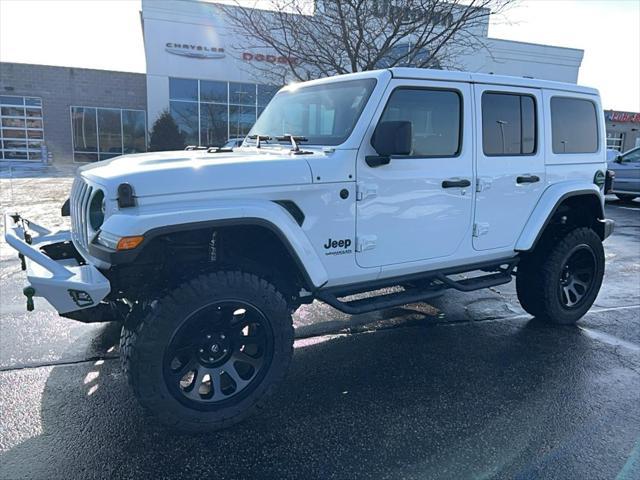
[[527, 179], [455, 183]]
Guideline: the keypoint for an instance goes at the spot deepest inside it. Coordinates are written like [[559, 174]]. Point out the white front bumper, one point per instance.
[[65, 284]]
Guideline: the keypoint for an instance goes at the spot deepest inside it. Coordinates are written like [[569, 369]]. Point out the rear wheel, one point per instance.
[[209, 354], [561, 280]]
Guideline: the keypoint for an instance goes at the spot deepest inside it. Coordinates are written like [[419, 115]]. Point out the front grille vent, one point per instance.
[[80, 197]]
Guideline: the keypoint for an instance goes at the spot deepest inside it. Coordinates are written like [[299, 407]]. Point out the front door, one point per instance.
[[418, 206], [510, 163]]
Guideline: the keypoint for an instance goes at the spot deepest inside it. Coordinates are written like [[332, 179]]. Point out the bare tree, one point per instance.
[[292, 40]]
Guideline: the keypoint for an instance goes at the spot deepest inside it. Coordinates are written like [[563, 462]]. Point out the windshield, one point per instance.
[[322, 114]]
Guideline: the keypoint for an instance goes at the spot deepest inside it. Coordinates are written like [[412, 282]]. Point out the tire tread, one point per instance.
[[137, 345], [536, 282]]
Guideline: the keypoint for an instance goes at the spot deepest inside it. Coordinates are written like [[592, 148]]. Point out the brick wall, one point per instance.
[[62, 87]]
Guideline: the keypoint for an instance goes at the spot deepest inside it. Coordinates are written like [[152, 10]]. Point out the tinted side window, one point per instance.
[[434, 116], [574, 125], [508, 124]]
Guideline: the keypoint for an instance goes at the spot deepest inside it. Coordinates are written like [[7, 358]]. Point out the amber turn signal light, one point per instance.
[[129, 243]]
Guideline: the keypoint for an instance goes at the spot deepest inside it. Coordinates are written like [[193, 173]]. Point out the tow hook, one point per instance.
[[29, 292]]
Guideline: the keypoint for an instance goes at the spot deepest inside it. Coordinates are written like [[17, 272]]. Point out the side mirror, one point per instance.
[[390, 138], [618, 159]]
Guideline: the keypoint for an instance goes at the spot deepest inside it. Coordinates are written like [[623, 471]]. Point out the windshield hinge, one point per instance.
[[480, 229], [483, 183], [364, 191], [366, 242]]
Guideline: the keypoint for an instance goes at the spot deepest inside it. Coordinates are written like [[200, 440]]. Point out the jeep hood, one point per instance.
[[166, 173]]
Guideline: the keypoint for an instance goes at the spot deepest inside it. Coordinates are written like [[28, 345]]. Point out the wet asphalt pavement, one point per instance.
[[466, 387]]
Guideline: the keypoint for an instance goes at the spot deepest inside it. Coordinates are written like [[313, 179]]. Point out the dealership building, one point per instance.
[[623, 130], [195, 70]]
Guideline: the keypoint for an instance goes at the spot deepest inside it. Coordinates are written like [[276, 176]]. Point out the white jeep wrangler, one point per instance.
[[419, 179]]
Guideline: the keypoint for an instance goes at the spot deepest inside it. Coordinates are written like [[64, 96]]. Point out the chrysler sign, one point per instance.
[[194, 51]]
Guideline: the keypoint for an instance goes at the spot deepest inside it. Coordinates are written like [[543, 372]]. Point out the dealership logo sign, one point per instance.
[[623, 117], [194, 51], [258, 57], [387, 9]]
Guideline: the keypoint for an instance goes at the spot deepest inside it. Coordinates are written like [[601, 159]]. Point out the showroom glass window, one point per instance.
[[214, 100], [210, 112], [183, 95], [242, 108], [265, 94], [21, 128], [574, 125], [103, 133], [435, 119], [508, 124]]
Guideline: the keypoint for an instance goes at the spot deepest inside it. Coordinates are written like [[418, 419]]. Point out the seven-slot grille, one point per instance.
[[79, 202]]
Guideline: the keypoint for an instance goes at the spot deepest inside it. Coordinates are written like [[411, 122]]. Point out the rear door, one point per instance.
[[510, 163]]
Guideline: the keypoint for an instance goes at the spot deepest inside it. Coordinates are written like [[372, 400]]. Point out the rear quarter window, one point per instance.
[[574, 125]]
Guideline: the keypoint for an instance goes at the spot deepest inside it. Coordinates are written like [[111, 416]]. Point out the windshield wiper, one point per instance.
[[294, 139], [259, 138]]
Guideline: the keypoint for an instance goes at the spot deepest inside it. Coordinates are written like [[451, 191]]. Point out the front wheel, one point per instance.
[[561, 280], [209, 353]]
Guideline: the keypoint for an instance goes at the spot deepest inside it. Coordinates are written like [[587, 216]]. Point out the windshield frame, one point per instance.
[[293, 89]]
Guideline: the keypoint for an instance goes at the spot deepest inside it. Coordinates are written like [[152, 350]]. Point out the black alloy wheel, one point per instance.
[[218, 354], [577, 276]]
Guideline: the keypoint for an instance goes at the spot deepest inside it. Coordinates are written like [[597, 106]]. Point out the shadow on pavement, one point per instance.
[[499, 399], [612, 200]]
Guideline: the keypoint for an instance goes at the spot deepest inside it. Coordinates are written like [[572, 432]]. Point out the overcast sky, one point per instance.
[[107, 35]]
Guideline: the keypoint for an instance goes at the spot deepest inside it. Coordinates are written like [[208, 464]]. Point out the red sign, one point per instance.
[[623, 117], [259, 57]]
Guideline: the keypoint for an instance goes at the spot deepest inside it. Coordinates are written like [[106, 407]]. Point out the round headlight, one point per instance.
[[96, 210]]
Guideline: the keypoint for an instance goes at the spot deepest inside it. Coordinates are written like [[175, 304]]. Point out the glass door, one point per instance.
[[22, 132]]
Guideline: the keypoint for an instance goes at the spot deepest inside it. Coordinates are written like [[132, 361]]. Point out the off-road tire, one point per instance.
[[143, 342], [625, 197], [127, 336], [539, 276]]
